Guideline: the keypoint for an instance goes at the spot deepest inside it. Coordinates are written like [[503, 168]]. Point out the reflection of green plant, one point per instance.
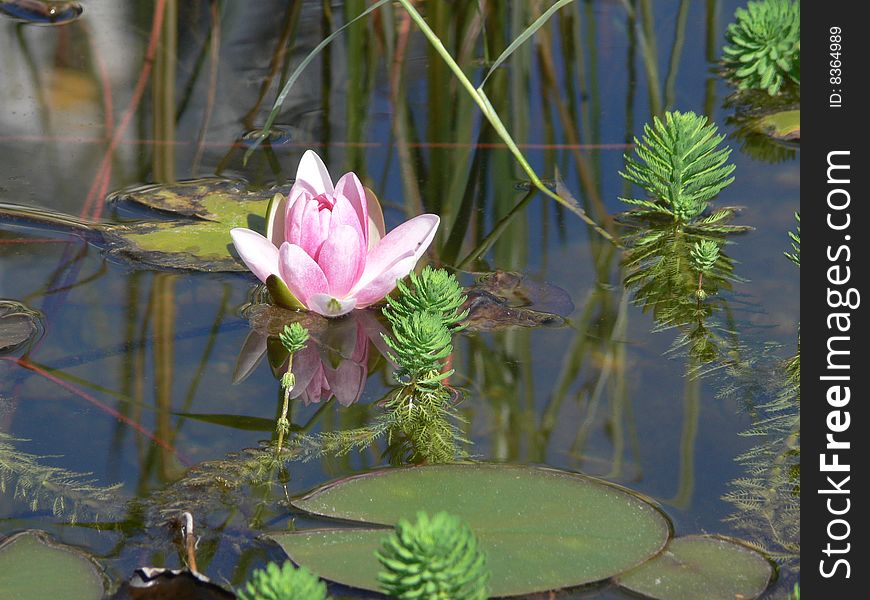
[[705, 253], [436, 558], [680, 165], [795, 593], [283, 583], [764, 45], [795, 256]]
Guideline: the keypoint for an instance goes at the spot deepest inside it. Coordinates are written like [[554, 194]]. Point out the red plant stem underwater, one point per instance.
[[24, 363]]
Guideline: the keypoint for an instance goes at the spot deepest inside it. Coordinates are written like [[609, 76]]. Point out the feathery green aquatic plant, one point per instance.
[[420, 343], [680, 165], [764, 48], [436, 558], [795, 256], [420, 419], [433, 290], [283, 583]]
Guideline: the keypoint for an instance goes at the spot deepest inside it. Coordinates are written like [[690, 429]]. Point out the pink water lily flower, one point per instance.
[[326, 246]]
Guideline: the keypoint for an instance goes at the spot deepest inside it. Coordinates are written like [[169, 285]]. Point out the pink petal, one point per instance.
[[343, 213], [329, 306], [312, 175], [259, 254], [407, 241], [302, 275], [349, 186], [385, 282], [306, 227], [341, 259], [377, 229], [276, 216]]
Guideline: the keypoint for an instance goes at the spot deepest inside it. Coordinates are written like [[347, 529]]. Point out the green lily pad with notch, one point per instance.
[[34, 566], [697, 566], [541, 529], [185, 226], [198, 236]]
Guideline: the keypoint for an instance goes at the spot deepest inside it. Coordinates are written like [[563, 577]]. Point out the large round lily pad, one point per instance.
[[697, 566], [32, 566], [541, 529]]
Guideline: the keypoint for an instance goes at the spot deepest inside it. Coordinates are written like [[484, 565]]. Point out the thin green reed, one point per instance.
[[676, 54]]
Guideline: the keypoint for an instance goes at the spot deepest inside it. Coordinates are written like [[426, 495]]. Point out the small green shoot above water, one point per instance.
[[283, 583], [435, 557], [764, 44], [293, 338]]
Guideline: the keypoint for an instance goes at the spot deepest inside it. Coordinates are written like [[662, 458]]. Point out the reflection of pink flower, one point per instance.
[[333, 363], [327, 243]]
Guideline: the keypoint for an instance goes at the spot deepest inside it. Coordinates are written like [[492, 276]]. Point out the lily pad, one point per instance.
[[33, 566], [198, 238], [783, 125], [697, 566], [541, 529], [503, 299], [18, 325], [187, 225]]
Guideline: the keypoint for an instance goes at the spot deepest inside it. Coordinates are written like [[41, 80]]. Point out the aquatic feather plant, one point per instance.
[[679, 163], [437, 558], [764, 45]]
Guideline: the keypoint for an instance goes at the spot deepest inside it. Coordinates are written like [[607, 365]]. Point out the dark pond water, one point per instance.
[[132, 380]]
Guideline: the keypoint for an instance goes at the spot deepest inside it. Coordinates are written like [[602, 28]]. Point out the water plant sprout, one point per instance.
[[680, 165], [293, 338], [764, 45], [436, 557], [283, 583]]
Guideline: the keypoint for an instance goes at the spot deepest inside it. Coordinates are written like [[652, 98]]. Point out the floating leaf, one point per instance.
[[18, 325], [193, 233], [697, 566], [34, 566], [541, 529], [506, 299], [201, 240], [784, 125]]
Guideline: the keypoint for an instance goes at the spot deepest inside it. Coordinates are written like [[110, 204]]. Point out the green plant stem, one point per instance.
[[283, 425], [491, 115]]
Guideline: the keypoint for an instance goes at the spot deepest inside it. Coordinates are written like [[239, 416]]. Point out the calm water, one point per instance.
[[130, 354]]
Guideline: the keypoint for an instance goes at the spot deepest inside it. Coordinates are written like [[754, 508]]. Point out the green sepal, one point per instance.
[[281, 294]]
